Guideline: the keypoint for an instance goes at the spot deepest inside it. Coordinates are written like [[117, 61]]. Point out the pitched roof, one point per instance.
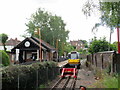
[[43, 43], [36, 43]]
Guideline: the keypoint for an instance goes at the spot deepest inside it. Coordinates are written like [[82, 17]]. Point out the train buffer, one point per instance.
[[69, 72]]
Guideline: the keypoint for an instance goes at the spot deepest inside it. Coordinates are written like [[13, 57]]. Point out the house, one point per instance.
[[10, 44], [33, 49], [78, 44]]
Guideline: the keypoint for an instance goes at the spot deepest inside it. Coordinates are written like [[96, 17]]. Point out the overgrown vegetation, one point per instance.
[[4, 58], [105, 80], [28, 76]]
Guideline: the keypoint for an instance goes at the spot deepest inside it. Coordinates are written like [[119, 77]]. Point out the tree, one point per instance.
[[3, 39], [85, 43], [110, 11], [68, 48], [5, 58], [100, 45], [52, 27], [110, 14], [115, 44]]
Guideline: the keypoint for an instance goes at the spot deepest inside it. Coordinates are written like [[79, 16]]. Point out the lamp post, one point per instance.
[[57, 44], [40, 44], [39, 36]]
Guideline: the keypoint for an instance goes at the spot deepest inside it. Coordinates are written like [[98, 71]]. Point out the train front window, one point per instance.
[[73, 56]]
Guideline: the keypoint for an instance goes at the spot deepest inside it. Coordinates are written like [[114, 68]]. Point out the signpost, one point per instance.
[[118, 35]]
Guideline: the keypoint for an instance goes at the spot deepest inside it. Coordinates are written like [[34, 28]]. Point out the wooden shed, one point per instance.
[[33, 49]]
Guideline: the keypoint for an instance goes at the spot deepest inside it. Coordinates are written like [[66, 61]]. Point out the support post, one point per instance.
[[24, 55], [17, 55], [38, 54]]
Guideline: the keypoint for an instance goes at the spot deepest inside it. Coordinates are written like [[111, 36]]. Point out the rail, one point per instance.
[[64, 83]]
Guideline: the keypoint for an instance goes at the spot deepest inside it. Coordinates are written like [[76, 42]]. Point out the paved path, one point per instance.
[[60, 64]]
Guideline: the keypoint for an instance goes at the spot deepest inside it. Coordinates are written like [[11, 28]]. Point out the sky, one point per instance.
[[15, 13]]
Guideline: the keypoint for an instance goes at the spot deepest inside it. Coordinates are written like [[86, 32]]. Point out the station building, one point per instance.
[[33, 49]]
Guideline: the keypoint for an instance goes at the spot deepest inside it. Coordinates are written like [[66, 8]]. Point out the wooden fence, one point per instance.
[[109, 60]]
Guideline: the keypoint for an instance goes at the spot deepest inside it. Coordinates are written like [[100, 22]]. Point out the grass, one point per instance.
[[106, 81], [110, 82]]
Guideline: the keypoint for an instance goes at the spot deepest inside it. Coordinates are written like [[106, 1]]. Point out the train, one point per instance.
[[74, 59], [70, 69]]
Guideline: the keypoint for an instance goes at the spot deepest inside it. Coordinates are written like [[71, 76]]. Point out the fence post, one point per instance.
[[92, 59], [111, 72], [114, 62], [96, 60], [87, 60], [47, 74], [102, 61], [37, 78], [18, 79]]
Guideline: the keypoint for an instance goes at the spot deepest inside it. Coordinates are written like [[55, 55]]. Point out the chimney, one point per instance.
[[15, 39]]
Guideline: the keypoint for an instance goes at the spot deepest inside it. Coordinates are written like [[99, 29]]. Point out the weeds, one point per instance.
[[110, 82], [105, 80]]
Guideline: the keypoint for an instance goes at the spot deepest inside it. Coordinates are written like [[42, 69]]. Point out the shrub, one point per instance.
[[5, 58], [30, 76]]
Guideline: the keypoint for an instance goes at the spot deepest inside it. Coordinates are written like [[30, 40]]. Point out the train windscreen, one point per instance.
[[73, 56]]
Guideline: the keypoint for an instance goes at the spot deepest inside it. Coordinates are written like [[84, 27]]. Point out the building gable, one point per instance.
[[27, 44]]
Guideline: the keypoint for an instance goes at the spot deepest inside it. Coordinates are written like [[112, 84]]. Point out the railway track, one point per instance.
[[64, 83]]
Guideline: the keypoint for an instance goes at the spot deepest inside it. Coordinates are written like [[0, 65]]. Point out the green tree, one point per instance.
[[68, 48], [110, 13], [52, 28], [100, 45], [4, 58], [83, 51], [85, 43], [3, 39], [115, 44]]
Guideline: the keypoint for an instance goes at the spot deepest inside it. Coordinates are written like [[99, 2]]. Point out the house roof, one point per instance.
[[11, 42]]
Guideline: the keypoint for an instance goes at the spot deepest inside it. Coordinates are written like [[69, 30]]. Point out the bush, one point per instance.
[[30, 76], [5, 58]]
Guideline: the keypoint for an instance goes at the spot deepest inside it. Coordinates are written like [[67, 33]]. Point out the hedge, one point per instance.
[[5, 58], [27, 77]]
